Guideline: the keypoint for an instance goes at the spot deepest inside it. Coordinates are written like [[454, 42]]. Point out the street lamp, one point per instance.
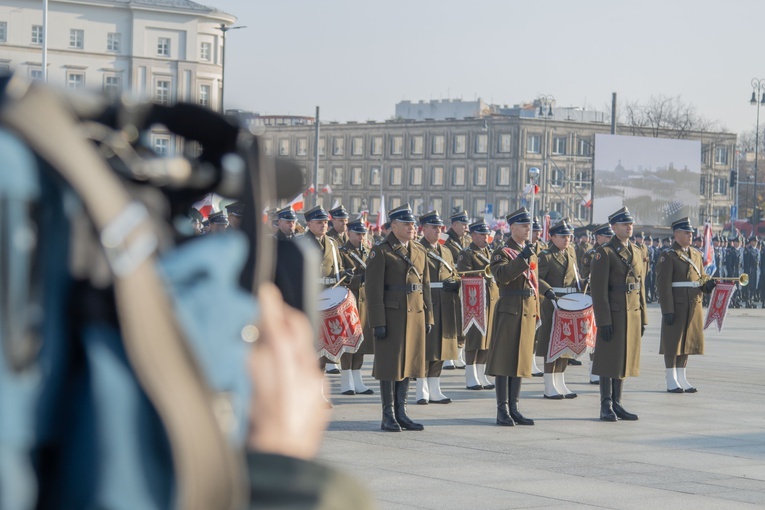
[[758, 90], [546, 102], [223, 28], [488, 153]]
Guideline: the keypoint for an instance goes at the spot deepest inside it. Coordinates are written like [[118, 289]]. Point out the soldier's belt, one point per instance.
[[564, 290], [408, 288], [627, 287], [516, 292], [327, 281], [686, 284], [437, 285]]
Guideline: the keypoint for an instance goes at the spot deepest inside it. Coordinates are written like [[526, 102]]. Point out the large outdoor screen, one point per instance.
[[658, 179]]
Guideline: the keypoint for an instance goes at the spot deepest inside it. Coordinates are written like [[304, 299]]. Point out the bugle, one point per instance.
[[486, 271], [743, 280]]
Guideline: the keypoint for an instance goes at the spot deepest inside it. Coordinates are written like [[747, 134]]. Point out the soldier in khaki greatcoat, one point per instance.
[[679, 285], [618, 301], [354, 255], [285, 220], [476, 257], [339, 229], [511, 348], [457, 240], [441, 342], [400, 315], [558, 276]]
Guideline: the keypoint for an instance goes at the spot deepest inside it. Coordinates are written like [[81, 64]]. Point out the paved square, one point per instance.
[[703, 450]]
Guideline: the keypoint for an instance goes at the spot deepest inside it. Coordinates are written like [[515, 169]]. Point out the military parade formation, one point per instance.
[[426, 296]]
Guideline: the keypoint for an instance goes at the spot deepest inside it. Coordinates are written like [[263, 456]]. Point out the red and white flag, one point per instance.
[[587, 200], [298, 203], [311, 189], [204, 206], [381, 217], [710, 266], [473, 304], [326, 189], [546, 228], [529, 187]]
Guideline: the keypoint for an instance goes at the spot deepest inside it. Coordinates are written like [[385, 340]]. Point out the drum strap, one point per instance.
[[576, 274], [328, 239], [358, 259], [433, 254], [688, 260], [399, 250]]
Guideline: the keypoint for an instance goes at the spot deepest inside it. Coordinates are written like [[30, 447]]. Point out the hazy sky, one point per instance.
[[357, 58]]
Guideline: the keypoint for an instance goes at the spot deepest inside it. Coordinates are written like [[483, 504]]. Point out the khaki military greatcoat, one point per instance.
[[556, 269], [441, 342], [356, 258]]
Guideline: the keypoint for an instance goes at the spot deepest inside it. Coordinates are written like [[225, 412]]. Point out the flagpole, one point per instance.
[[316, 159], [533, 174]]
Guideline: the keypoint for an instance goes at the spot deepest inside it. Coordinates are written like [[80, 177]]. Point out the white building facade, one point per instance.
[[166, 50]]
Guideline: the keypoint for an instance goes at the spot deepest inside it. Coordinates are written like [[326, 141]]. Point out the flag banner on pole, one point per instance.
[[710, 266], [572, 334], [529, 187], [204, 206], [546, 228], [381, 217], [718, 304], [326, 189], [297, 203], [473, 304]]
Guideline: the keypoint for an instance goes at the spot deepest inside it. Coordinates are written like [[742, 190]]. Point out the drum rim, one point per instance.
[[579, 300], [324, 297]]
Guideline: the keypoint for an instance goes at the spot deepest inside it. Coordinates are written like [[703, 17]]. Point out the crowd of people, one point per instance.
[[406, 284]]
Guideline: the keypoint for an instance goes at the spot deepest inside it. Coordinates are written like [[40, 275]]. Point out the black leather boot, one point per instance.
[[501, 387], [515, 395], [620, 412], [387, 393], [402, 389], [606, 403]]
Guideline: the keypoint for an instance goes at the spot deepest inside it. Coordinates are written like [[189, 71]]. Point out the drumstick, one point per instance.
[[339, 281]]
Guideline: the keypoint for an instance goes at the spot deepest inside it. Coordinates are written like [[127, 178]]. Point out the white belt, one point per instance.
[[564, 290], [327, 281], [686, 284], [437, 285]]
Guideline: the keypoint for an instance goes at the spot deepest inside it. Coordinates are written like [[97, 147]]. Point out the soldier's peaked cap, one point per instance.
[[402, 213], [218, 218], [287, 213], [316, 213], [480, 227], [462, 217], [431, 218], [682, 224], [338, 212], [604, 230], [521, 216], [621, 216], [357, 226], [536, 226], [562, 228]]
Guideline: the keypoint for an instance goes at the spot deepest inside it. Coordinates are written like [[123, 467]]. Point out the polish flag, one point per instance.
[[326, 189], [710, 266], [587, 200], [205, 206], [381, 217], [265, 215], [529, 187], [298, 203], [546, 228], [311, 189], [443, 237]]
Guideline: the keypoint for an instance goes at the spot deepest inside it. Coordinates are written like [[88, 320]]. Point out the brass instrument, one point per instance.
[[485, 272], [743, 280]]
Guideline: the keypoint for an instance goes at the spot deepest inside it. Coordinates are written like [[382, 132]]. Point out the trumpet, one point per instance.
[[743, 280], [485, 272]]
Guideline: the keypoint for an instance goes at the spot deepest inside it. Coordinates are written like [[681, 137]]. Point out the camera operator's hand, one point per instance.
[[527, 251], [709, 287], [642, 330], [606, 332], [428, 328], [550, 294], [380, 332], [288, 414], [451, 285], [669, 318]]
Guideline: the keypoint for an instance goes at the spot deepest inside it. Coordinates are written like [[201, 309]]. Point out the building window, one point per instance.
[[458, 205], [338, 146], [395, 176], [437, 176], [37, 34], [337, 176], [585, 147], [479, 206], [268, 147], [394, 202], [377, 145], [556, 207], [418, 205], [416, 176], [162, 94], [113, 42], [503, 176], [205, 51], [533, 144], [322, 147], [556, 178], [436, 204], [76, 38], [374, 177], [355, 204], [458, 179], [302, 147], [559, 145], [75, 80], [459, 144], [357, 146], [397, 145], [163, 47], [438, 144], [374, 204], [284, 147], [35, 74], [505, 142], [582, 180], [3, 31], [480, 176], [582, 212], [161, 145], [503, 207], [481, 144], [721, 186], [721, 156], [204, 95], [356, 176], [111, 85], [417, 145]]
